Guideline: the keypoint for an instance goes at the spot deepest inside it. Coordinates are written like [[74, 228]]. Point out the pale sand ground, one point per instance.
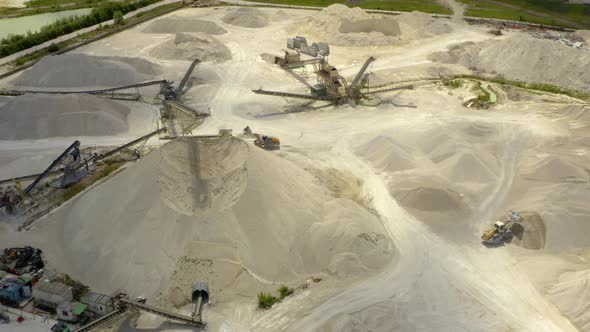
[[526, 154]]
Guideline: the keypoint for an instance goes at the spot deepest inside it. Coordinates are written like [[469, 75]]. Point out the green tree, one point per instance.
[[118, 18]]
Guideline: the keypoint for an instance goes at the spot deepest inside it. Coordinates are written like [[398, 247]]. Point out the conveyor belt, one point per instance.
[[101, 321], [163, 313], [98, 91], [359, 75], [187, 75], [404, 87], [186, 109], [291, 95], [301, 63]]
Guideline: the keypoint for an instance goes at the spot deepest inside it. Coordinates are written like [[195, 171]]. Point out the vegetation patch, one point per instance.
[[531, 86], [453, 84], [427, 6], [548, 12], [285, 291], [102, 31], [267, 300], [104, 12], [98, 174]]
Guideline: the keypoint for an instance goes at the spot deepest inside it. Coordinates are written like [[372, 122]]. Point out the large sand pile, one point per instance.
[[176, 24], [344, 26], [246, 17], [79, 70], [186, 46], [469, 167], [525, 58], [280, 225], [530, 233], [553, 169], [44, 116], [202, 178], [571, 294], [386, 154]]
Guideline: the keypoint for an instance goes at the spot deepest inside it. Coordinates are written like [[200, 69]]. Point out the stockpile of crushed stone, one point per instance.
[[344, 26], [246, 17], [192, 46], [524, 58], [79, 70], [44, 116], [176, 24], [217, 201]]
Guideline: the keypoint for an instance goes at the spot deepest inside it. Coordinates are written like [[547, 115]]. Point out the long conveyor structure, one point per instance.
[[162, 312], [93, 91], [50, 170], [290, 95]]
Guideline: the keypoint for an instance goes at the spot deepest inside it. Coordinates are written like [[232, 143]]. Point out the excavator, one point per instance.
[[263, 141], [501, 230], [267, 142]]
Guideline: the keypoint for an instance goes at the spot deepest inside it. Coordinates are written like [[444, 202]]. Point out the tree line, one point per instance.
[[102, 13]]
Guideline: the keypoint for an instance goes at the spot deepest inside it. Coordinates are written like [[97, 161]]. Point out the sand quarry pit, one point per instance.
[[369, 213]]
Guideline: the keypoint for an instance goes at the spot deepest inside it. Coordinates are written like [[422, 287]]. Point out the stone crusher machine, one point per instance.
[[501, 230]]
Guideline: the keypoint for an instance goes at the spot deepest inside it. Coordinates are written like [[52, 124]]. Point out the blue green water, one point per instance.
[[21, 25]]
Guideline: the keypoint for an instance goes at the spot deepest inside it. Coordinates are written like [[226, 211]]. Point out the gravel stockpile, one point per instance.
[[45, 116], [246, 17], [344, 26], [176, 24], [79, 70], [192, 46]]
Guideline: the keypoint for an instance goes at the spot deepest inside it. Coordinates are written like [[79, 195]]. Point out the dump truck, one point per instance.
[[501, 230], [267, 142]]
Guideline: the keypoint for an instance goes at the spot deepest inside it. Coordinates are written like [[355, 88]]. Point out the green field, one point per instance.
[[552, 12], [427, 6]]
